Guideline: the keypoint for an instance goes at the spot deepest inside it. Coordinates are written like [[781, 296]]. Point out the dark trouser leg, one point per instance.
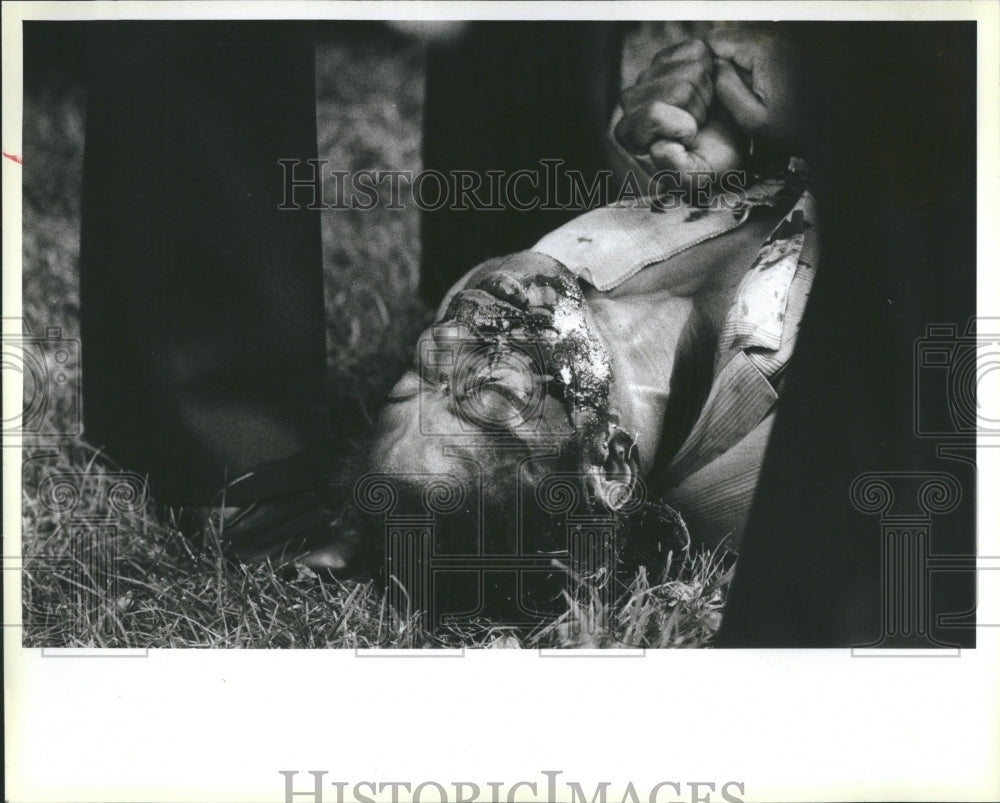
[[201, 303], [898, 256], [504, 97]]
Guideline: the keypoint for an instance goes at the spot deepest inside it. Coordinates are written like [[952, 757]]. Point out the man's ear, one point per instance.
[[620, 471]]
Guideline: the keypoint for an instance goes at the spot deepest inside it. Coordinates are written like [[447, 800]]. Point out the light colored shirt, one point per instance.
[[712, 477]]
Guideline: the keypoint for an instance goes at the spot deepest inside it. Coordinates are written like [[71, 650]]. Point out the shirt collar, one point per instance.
[[757, 317]]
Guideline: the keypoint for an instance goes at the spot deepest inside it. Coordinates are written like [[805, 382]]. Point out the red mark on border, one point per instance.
[[13, 157]]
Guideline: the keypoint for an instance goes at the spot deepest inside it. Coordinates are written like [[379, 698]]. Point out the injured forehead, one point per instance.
[[511, 383], [522, 336]]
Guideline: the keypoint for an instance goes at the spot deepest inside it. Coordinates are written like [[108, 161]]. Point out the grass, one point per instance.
[[135, 581]]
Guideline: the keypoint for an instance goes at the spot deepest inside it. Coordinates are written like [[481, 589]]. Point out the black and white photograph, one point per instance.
[[498, 333]]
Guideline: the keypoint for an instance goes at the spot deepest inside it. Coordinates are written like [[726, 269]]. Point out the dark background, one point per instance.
[[892, 120], [892, 136]]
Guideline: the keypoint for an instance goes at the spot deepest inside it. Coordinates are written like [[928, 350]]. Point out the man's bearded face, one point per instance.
[[513, 383]]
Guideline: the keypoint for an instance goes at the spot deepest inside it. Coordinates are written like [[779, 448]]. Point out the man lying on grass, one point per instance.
[[638, 351], [635, 354]]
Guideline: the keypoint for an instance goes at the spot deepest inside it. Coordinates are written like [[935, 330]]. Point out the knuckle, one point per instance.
[[672, 53], [749, 118], [685, 96], [667, 155], [627, 98], [642, 124], [718, 39], [689, 49], [659, 108], [623, 132], [698, 49], [685, 91]]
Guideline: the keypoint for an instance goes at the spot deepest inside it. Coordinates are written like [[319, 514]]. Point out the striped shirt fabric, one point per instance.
[[712, 477]]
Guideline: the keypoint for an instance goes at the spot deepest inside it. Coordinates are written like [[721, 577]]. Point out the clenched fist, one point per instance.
[[669, 120], [755, 81]]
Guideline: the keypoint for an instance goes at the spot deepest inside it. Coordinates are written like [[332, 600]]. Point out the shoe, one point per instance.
[[303, 527]]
